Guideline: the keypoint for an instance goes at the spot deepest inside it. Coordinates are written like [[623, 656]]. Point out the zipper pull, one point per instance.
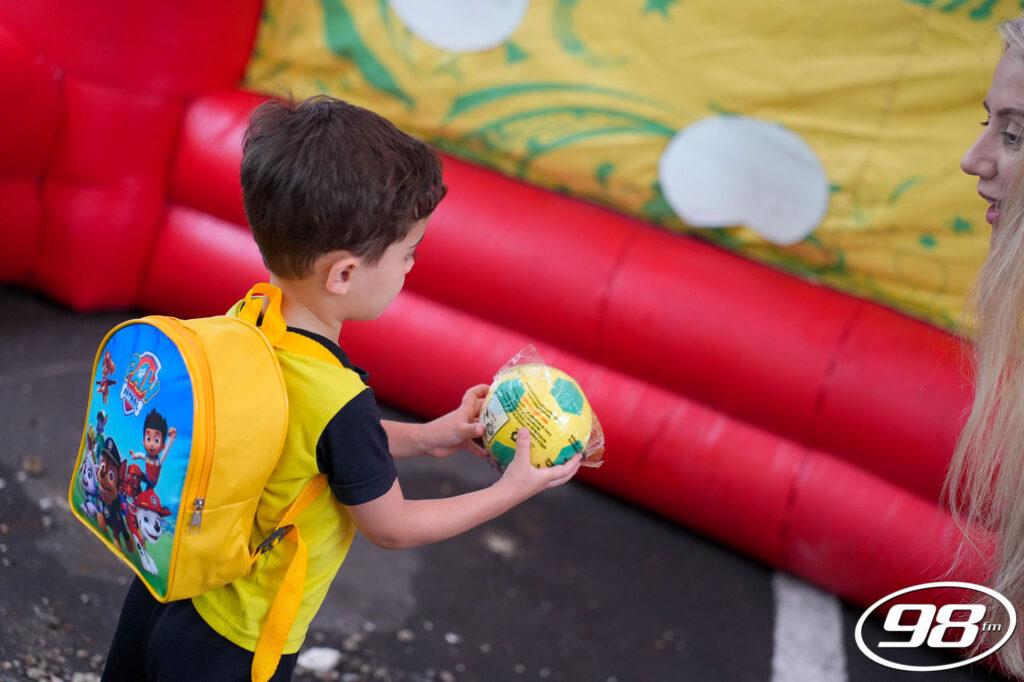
[[197, 515]]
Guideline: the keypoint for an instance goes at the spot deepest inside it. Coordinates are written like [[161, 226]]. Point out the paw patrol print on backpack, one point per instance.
[[141, 386]]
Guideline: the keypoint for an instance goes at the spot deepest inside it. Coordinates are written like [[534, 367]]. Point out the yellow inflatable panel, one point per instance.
[[822, 138]]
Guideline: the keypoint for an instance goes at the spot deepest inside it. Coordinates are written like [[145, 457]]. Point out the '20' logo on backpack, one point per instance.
[[141, 382]]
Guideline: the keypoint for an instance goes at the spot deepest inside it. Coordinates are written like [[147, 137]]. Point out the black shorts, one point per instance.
[[171, 642]]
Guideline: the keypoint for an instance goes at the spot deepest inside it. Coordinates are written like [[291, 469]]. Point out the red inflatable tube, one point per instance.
[[27, 138], [22, 207], [739, 337], [180, 47], [113, 137], [895, 399], [734, 335], [500, 250], [28, 134], [827, 370], [200, 265], [862, 537], [104, 195], [95, 243], [209, 153], [717, 458], [785, 504]]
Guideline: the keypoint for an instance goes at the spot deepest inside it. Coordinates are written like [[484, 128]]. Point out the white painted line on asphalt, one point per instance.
[[808, 633]]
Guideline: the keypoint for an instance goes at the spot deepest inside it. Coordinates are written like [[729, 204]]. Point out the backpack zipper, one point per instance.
[[202, 439]]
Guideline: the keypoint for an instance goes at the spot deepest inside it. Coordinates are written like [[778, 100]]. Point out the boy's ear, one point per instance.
[[341, 272]]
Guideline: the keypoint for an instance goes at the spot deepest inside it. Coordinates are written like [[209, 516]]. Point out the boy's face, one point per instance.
[[152, 441], [375, 286]]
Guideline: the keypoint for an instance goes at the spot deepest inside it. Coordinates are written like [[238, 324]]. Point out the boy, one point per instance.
[[338, 199]]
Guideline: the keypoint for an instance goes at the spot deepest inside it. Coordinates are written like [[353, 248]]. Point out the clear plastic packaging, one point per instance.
[[527, 392]]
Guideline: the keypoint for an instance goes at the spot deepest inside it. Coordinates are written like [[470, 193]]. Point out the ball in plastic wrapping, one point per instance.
[[545, 400]]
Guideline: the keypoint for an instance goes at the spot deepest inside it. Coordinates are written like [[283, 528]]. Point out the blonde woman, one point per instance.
[[985, 484]]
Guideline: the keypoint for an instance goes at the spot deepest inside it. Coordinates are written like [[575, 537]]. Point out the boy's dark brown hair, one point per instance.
[[322, 175]]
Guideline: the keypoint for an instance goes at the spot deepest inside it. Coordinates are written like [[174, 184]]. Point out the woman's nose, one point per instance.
[[978, 160]]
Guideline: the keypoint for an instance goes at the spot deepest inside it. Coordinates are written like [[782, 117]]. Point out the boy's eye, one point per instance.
[[1011, 138]]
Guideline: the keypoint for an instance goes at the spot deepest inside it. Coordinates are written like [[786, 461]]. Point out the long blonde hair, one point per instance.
[[985, 483]]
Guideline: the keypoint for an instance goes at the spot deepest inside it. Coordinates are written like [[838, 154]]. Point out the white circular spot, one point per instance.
[[461, 26], [319, 659], [738, 170]]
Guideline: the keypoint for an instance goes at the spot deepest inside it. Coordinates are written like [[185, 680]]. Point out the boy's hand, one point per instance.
[[393, 522], [457, 430], [528, 480]]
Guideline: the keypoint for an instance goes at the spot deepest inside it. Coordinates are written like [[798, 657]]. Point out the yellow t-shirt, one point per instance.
[[334, 428]]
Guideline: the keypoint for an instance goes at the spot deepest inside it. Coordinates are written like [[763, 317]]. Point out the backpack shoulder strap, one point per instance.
[[271, 322], [289, 594], [262, 308], [303, 345]]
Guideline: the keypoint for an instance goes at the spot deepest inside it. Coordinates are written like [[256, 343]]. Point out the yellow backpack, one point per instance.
[[185, 423]]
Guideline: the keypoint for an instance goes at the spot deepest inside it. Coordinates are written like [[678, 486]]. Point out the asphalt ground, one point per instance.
[[573, 585]]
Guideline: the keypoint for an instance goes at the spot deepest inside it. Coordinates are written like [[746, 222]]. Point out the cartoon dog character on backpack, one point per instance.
[[130, 487], [148, 525], [101, 423], [132, 481], [106, 382], [87, 475], [91, 440], [112, 505]]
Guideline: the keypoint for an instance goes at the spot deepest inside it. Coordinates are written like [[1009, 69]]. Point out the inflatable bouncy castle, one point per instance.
[[748, 245]]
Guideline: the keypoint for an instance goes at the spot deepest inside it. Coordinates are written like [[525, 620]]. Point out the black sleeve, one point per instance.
[[353, 452]]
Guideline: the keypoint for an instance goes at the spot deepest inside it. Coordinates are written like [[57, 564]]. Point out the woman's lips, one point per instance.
[[993, 209]]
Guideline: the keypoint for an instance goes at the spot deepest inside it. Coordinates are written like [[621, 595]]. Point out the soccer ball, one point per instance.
[[545, 400]]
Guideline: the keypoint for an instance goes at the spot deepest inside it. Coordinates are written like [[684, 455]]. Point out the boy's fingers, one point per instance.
[[478, 392], [566, 470], [469, 430]]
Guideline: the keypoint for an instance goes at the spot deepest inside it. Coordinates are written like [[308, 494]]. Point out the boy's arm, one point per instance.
[[393, 522], [443, 436]]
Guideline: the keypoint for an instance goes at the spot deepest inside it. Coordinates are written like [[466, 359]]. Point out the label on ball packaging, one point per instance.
[[493, 418], [527, 393]]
